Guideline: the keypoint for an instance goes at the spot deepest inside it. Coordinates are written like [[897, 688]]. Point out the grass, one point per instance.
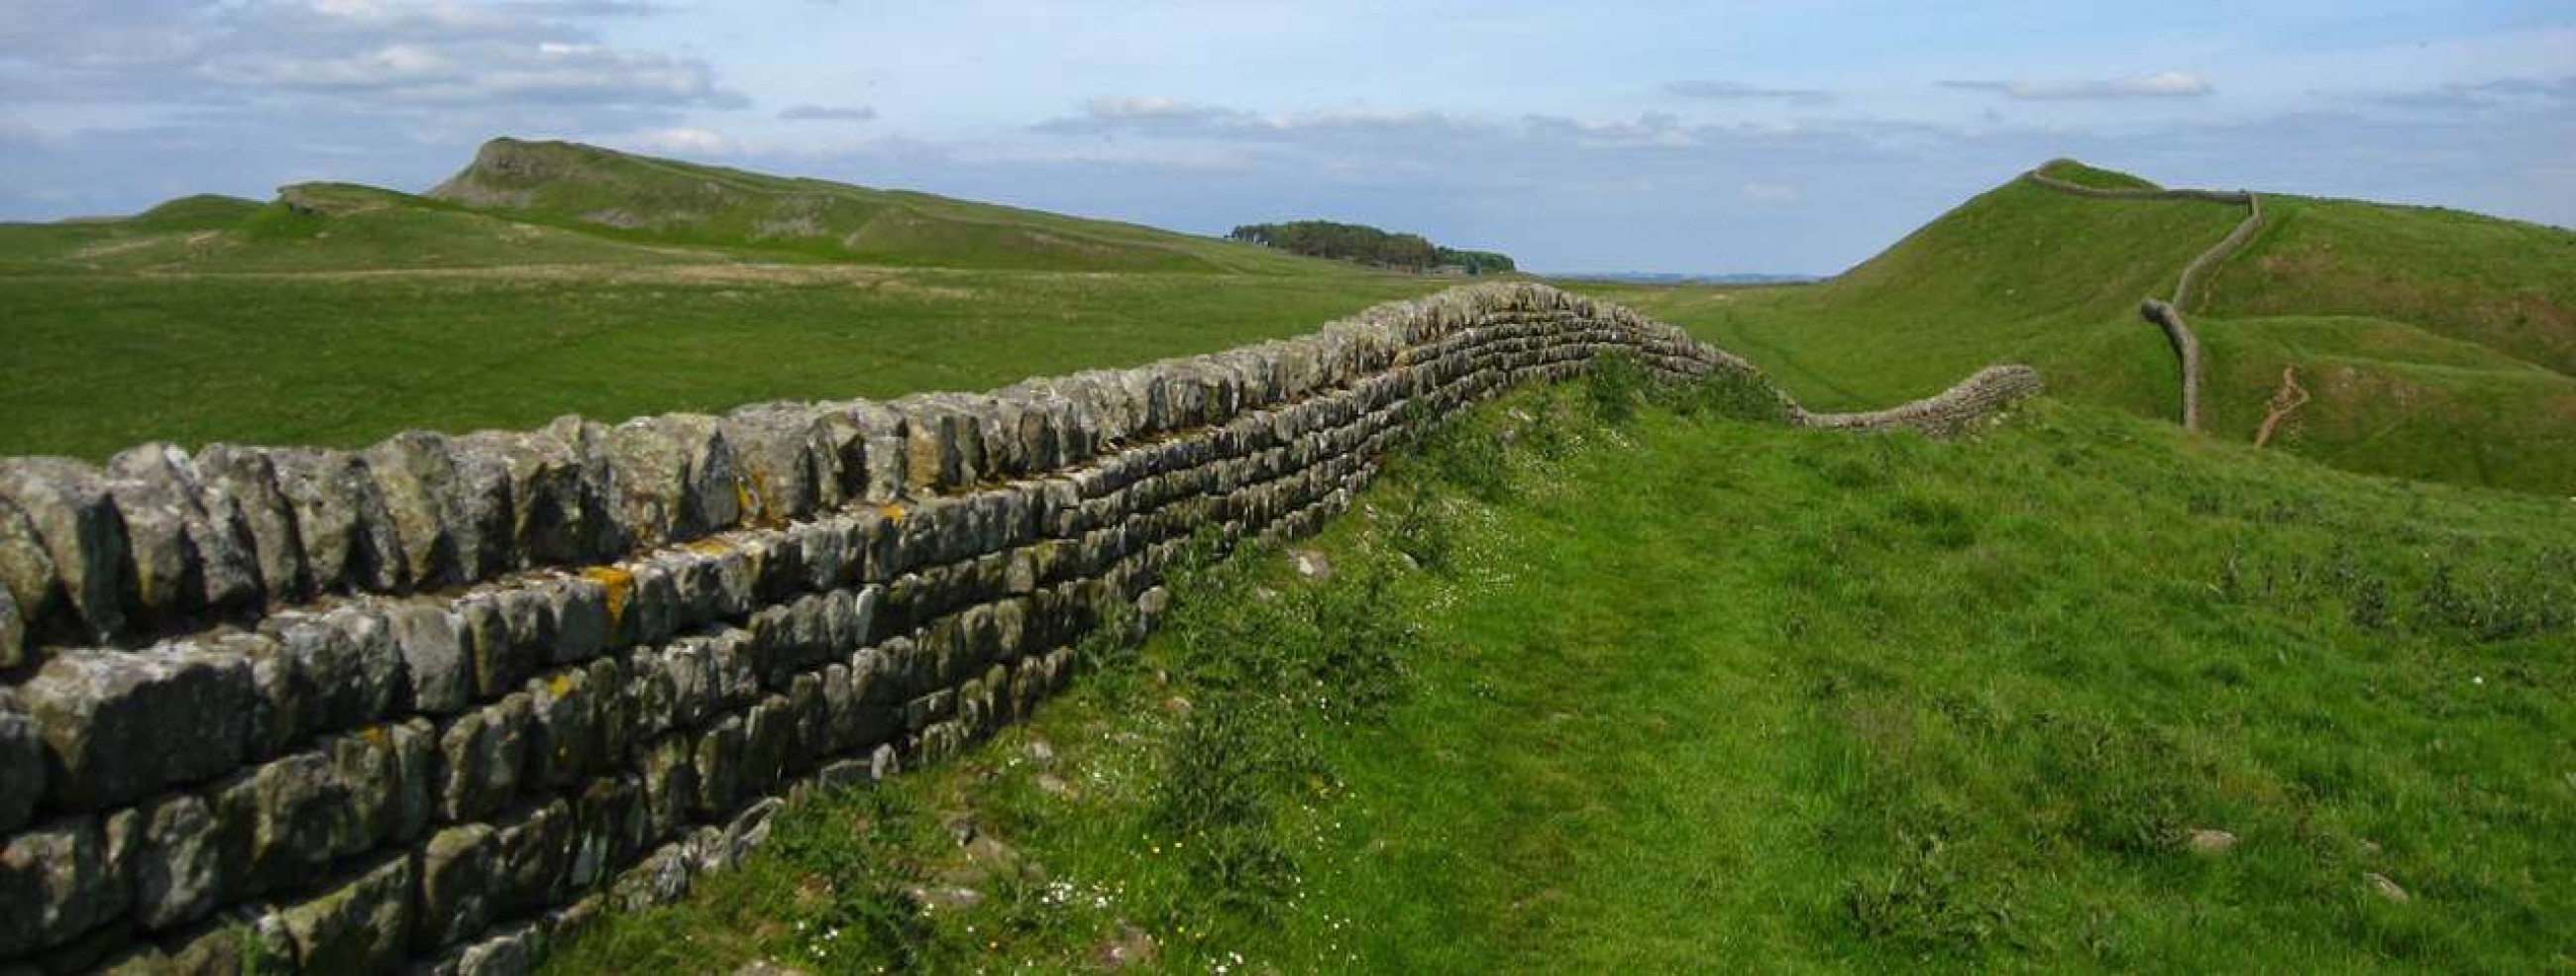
[[2021, 273], [643, 198], [2391, 398], [2076, 172], [2503, 284], [1686, 689], [2356, 290], [99, 362], [339, 314]]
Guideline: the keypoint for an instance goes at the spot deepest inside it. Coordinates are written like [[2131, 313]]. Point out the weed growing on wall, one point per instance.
[[1615, 384]]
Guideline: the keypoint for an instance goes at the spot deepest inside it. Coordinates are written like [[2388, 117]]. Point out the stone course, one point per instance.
[[426, 704]]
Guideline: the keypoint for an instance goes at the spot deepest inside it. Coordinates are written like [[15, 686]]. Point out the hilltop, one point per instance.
[[520, 203], [643, 198], [2433, 344]]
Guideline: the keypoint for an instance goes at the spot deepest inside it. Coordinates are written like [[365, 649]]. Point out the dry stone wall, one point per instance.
[[2167, 315], [425, 704]]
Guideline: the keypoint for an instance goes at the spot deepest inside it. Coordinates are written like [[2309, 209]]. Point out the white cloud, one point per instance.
[[1740, 91], [678, 140], [377, 52], [2162, 84], [828, 113]]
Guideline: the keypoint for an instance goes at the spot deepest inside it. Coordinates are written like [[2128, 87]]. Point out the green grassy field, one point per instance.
[[1696, 693], [339, 314], [102, 362], [2386, 300]]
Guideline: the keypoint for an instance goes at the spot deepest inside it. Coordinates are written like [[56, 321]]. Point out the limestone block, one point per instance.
[[120, 725], [345, 667], [676, 478], [361, 926], [485, 511], [788, 456], [284, 822], [432, 644], [27, 588], [686, 670], [651, 613], [67, 507], [58, 880], [736, 669], [415, 474], [932, 460], [532, 485], [659, 878], [481, 756], [872, 443], [734, 582], [578, 606], [833, 552], [563, 738], [22, 762], [610, 828], [779, 567], [533, 857], [349, 539], [514, 952], [177, 862], [222, 946], [186, 556], [458, 885], [603, 533], [768, 732], [718, 761], [811, 737], [670, 783], [646, 703]]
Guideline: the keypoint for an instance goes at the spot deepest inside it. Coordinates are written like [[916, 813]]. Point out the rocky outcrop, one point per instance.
[[435, 700]]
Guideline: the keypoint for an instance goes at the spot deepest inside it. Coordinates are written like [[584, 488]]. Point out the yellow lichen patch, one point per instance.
[[561, 685], [375, 735], [748, 502], [709, 547], [620, 585], [893, 513]]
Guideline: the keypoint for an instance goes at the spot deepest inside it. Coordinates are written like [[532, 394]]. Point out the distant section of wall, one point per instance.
[[2167, 314], [2137, 192], [428, 703], [1953, 411]]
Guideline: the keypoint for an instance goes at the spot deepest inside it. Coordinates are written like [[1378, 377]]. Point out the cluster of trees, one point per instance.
[[1368, 245]]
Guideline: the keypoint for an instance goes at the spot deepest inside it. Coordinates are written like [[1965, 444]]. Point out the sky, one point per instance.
[[1753, 136]]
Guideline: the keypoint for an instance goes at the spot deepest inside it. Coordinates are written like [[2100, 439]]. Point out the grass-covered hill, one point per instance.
[[2432, 344], [643, 198], [337, 314], [1681, 693]]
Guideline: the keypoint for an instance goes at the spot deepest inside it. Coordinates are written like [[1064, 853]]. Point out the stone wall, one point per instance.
[[425, 704], [2167, 314]]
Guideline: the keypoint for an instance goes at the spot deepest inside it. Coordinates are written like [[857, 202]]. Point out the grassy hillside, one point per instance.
[[1699, 692], [337, 314], [2022, 273], [2506, 285], [656, 199], [2379, 299]]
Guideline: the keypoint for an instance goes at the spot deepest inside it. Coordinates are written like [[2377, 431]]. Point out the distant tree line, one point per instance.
[[1368, 245]]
